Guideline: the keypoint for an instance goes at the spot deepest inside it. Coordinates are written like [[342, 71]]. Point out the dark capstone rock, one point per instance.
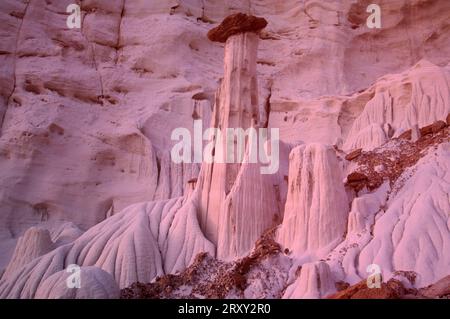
[[357, 181], [356, 177], [234, 24]]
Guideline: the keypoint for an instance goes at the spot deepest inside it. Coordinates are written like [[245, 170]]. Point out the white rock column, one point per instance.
[[236, 107], [236, 203], [316, 212]]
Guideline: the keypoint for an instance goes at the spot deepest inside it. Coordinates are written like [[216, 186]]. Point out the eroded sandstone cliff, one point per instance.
[[86, 118]]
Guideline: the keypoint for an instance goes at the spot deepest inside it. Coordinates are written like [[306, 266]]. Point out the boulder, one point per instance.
[[356, 180], [437, 126], [354, 154], [406, 135]]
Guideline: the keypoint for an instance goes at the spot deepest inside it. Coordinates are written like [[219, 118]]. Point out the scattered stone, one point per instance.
[[207, 276], [356, 177], [440, 289], [433, 128], [354, 154], [426, 130], [388, 162]]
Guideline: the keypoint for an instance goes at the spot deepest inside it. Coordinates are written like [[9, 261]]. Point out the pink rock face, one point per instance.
[[33, 244], [87, 176]]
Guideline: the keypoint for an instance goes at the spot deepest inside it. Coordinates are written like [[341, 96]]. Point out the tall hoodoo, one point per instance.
[[228, 219]]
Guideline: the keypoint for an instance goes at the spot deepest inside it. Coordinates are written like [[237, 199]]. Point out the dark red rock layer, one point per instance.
[[234, 24]]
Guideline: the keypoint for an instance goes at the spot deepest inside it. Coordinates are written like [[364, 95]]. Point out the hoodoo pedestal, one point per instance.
[[237, 203]]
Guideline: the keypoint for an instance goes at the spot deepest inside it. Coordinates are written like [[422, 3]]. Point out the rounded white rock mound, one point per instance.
[[143, 241], [35, 242], [93, 283]]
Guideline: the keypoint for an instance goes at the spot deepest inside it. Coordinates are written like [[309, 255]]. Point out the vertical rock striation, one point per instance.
[[236, 202], [417, 97], [315, 216], [33, 244]]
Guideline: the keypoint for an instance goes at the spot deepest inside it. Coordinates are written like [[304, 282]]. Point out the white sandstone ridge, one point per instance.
[[315, 215], [401, 229], [417, 97], [397, 234], [85, 114], [136, 245], [261, 274]]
